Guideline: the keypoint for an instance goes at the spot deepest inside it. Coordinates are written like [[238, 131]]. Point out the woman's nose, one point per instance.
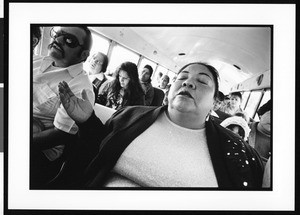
[[188, 83]]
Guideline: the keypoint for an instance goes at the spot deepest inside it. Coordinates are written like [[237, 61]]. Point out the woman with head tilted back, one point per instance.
[[124, 90], [174, 145]]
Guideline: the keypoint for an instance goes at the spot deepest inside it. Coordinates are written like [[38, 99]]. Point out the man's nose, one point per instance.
[[188, 83], [60, 40]]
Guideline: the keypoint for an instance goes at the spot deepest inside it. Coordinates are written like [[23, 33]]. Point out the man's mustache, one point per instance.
[[57, 44]]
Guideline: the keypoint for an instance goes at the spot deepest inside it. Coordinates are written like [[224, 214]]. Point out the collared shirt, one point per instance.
[[46, 103]]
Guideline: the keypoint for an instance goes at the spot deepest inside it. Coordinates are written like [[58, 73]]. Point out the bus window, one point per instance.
[[171, 74], [161, 69], [245, 96], [252, 103], [120, 55], [42, 48], [144, 62], [265, 99], [100, 44]]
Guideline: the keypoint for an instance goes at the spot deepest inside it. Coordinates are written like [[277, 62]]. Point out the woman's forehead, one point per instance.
[[123, 72], [197, 69]]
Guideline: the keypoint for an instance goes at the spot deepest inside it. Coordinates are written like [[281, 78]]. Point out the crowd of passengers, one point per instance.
[[183, 133]]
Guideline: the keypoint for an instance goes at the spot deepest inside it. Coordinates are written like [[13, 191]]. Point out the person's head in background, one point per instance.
[[70, 45], [127, 76], [158, 77], [243, 115], [235, 100], [146, 73], [36, 36], [237, 129], [98, 63], [238, 125], [164, 81], [226, 100], [219, 101]]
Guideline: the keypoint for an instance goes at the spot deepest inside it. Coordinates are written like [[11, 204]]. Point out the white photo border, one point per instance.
[[21, 15]]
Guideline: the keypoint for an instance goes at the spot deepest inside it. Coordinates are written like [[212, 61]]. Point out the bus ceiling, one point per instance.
[[231, 50]]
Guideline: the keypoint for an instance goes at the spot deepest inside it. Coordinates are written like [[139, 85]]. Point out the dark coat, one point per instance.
[[236, 164]]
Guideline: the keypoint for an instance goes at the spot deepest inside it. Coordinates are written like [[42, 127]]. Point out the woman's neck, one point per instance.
[[186, 119]]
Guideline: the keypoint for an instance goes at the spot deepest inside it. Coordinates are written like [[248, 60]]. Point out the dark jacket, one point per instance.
[[116, 100], [236, 164]]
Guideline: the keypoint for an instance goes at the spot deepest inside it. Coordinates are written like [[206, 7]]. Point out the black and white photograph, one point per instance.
[[186, 142], [151, 107]]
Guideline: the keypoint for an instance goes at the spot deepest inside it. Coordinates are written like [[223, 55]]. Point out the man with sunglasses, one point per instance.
[[69, 48]]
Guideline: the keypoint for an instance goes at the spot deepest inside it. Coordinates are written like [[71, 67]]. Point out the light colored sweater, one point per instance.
[[165, 155]]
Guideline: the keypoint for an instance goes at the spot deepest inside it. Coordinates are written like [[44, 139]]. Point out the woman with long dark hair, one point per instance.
[[124, 90]]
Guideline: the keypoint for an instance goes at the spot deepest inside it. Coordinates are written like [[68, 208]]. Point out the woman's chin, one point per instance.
[[180, 105]]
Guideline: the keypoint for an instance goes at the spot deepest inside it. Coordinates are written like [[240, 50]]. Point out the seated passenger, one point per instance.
[[237, 125], [69, 48], [166, 146], [217, 108], [145, 78], [234, 105], [96, 68], [124, 90], [157, 79], [165, 86], [36, 36], [260, 135]]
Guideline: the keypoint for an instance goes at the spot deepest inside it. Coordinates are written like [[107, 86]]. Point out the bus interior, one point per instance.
[[241, 54]]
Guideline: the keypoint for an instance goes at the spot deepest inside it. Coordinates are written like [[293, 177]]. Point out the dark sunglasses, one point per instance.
[[69, 39]]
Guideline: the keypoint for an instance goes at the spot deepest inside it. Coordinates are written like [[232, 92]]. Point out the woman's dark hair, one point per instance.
[[134, 90], [221, 96], [241, 131], [212, 70]]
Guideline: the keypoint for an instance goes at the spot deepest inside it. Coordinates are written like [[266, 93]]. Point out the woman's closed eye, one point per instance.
[[203, 81], [182, 77]]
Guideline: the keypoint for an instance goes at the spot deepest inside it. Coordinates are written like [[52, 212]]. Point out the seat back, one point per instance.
[[158, 97], [103, 112]]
